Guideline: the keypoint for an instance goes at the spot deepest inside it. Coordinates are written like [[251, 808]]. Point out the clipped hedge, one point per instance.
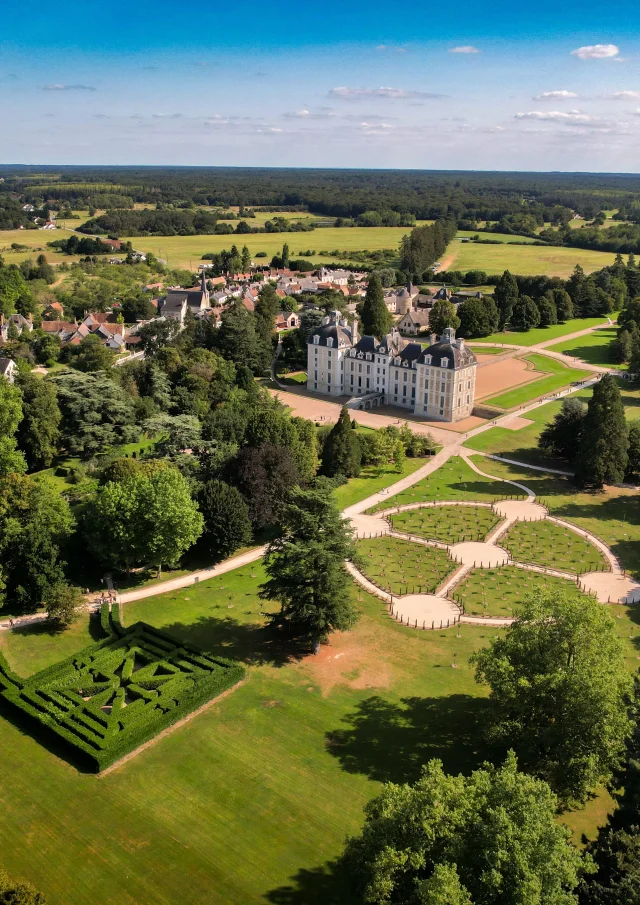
[[96, 706]]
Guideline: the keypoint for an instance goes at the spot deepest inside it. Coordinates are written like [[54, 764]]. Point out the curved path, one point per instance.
[[609, 587]]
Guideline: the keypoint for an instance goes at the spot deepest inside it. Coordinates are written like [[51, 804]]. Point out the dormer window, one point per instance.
[[316, 340], [444, 362], [330, 342], [382, 350], [427, 359], [397, 360], [405, 364], [369, 356]]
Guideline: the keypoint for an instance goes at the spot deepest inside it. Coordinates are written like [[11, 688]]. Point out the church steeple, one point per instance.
[[203, 282]]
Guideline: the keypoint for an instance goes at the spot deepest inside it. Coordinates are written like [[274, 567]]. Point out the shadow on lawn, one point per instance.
[[390, 742], [324, 885], [248, 642]]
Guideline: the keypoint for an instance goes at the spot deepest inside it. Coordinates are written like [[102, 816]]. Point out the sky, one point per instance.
[[478, 86]]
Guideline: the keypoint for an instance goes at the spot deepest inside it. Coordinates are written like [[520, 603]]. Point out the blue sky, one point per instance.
[[538, 86]]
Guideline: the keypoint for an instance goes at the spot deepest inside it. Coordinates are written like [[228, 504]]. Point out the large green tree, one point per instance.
[[11, 459], [478, 317], [376, 319], [306, 570], [525, 314], [443, 315], [341, 453], [558, 691], [14, 893], [505, 296], [39, 430], [603, 455], [147, 518], [35, 523], [96, 413], [226, 518], [491, 838], [562, 437]]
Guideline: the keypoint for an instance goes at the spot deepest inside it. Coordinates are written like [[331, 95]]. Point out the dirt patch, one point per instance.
[[346, 661], [515, 423], [504, 375]]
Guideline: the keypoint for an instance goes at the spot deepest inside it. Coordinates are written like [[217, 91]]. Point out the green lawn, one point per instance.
[[493, 237], [547, 544], [486, 350], [371, 480], [402, 567], [222, 800], [449, 524], [252, 799], [594, 349], [454, 480], [526, 260], [499, 592], [543, 334], [612, 515], [558, 375], [522, 444]]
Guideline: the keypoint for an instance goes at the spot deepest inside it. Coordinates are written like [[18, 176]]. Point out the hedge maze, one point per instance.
[[113, 696]]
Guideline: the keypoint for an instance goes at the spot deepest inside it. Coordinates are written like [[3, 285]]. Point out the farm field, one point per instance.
[[403, 567], [556, 375], [503, 238], [499, 592], [187, 251], [36, 240], [594, 349], [454, 480], [448, 524], [521, 259], [543, 334], [554, 546]]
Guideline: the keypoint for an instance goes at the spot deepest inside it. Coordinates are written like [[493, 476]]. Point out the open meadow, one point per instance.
[[544, 334], [527, 260]]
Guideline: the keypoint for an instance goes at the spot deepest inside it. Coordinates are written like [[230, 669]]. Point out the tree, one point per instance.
[[376, 319], [246, 259], [157, 334], [226, 518], [148, 518], [489, 838], [633, 466], [525, 314], [11, 459], [238, 340], [96, 413], [443, 315], [547, 309], [92, 355], [621, 346], [478, 317], [62, 602], [505, 296], [285, 255], [306, 570], [265, 477], [558, 687], [562, 437], [35, 524], [341, 454], [602, 458], [39, 429], [564, 305], [12, 893]]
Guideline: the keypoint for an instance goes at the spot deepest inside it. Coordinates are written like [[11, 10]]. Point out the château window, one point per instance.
[[330, 342], [444, 363], [316, 340]]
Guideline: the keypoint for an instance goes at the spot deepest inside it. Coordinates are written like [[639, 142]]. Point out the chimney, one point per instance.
[[433, 339], [354, 331]]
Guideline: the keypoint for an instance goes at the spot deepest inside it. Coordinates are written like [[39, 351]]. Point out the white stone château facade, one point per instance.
[[437, 382]]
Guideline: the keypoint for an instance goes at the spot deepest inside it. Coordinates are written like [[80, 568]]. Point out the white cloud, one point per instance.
[[350, 94], [59, 87], [465, 48], [555, 95], [596, 52], [572, 116], [166, 115], [622, 96]]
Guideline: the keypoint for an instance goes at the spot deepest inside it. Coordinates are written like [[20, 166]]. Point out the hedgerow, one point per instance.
[[118, 693]]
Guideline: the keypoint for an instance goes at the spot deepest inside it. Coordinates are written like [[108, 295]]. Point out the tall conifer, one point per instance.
[[603, 455]]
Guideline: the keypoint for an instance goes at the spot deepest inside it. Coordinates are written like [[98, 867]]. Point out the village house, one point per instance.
[[436, 382], [414, 322], [17, 321], [287, 320], [8, 369], [53, 311]]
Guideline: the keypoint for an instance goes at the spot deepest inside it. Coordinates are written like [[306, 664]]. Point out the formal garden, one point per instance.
[[110, 698], [551, 545], [501, 591], [403, 567], [448, 524]]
